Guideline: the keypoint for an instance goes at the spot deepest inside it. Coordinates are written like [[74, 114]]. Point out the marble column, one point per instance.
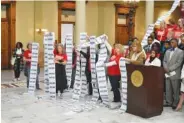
[[149, 16], [80, 19]]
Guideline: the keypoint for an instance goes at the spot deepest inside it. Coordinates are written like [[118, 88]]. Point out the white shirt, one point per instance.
[[182, 73], [19, 51], [156, 62]]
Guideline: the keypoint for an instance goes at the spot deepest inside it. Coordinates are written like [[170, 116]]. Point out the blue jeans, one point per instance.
[[37, 77]]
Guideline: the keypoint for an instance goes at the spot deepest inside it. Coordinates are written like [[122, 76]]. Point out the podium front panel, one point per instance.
[[145, 90]]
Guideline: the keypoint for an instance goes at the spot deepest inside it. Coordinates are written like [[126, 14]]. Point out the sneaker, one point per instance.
[[15, 80], [18, 79]]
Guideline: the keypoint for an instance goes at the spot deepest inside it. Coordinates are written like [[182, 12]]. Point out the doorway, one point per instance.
[[67, 28], [124, 19], [7, 32]]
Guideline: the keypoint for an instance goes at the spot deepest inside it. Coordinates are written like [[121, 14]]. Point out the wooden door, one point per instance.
[[8, 21], [124, 23], [4, 45], [122, 34]]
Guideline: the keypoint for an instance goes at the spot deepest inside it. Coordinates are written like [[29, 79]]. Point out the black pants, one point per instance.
[[114, 80], [73, 77], [17, 70], [88, 77]]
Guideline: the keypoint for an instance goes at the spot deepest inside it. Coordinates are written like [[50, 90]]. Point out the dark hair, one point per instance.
[[28, 44], [167, 42], [151, 37], [63, 49], [135, 38], [175, 39], [171, 21], [156, 44], [20, 44]]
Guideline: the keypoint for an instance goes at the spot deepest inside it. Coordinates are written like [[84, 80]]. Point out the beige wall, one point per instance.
[[24, 21], [109, 21], [100, 18], [30, 15], [140, 21], [162, 8], [92, 18]]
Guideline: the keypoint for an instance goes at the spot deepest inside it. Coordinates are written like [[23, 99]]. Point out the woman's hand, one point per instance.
[[113, 57], [55, 61]]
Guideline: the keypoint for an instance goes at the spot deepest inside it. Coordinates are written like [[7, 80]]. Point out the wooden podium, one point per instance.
[[145, 90]]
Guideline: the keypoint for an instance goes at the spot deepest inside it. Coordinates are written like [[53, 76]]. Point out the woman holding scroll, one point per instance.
[[88, 69], [60, 62], [137, 55], [114, 71], [27, 59]]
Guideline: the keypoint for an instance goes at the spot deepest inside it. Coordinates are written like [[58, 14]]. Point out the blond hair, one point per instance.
[[120, 47], [138, 45]]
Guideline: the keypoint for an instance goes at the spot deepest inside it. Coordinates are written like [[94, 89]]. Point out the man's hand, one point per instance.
[[166, 70]]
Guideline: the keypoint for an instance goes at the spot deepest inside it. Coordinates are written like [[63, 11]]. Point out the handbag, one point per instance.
[[12, 60]]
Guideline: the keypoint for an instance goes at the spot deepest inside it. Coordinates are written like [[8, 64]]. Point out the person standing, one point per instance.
[[179, 29], [181, 45], [147, 48], [88, 70], [179, 107], [114, 70], [161, 34], [74, 61], [136, 56], [18, 64], [60, 62], [27, 66], [172, 64]]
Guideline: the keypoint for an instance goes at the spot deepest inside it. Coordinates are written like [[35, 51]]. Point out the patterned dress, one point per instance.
[[16, 61]]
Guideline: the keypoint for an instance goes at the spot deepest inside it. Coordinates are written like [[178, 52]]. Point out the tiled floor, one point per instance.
[[20, 107]]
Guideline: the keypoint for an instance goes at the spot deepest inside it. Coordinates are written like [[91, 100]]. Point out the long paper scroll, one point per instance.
[[93, 68], [77, 84], [46, 78], [69, 50], [33, 69], [83, 37], [102, 82], [51, 65], [159, 20], [83, 73], [123, 70]]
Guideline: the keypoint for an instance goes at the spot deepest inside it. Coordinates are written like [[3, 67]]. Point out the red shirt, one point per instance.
[[113, 52], [177, 32], [161, 34], [27, 55], [61, 56], [55, 52], [171, 27], [114, 70]]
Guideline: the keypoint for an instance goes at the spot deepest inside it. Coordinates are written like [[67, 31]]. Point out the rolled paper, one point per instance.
[[123, 71], [33, 69]]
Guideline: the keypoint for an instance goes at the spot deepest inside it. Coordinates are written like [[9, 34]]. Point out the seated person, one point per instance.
[[137, 55], [153, 60]]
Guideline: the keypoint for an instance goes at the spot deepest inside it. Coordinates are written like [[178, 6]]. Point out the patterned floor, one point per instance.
[[13, 85]]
